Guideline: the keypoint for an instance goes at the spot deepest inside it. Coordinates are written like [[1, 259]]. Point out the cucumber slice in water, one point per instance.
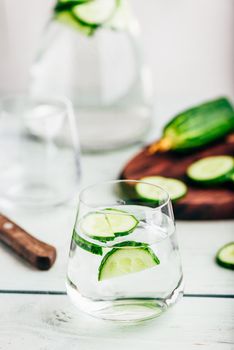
[[82, 243], [108, 224], [131, 244], [66, 5], [209, 170], [73, 1], [68, 19], [225, 256], [95, 12], [130, 257], [175, 188]]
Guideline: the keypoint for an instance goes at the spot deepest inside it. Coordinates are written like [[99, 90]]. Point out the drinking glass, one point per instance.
[[39, 151], [124, 262]]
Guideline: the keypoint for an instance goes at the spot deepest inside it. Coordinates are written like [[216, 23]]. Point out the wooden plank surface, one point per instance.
[[198, 245], [42, 322], [198, 241]]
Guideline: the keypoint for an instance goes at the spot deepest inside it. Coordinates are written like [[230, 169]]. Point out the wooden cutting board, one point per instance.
[[199, 203]]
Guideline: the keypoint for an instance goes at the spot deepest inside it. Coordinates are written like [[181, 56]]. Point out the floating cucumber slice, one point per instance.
[[121, 222], [129, 257], [211, 170], [225, 256], [64, 5], [108, 224], [68, 19], [73, 1], [95, 12], [82, 243], [131, 244], [175, 188]]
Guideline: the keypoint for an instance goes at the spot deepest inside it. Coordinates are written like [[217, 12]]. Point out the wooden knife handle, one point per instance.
[[39, 254]]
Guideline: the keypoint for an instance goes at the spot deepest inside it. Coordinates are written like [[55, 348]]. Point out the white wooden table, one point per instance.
[[35, 312]]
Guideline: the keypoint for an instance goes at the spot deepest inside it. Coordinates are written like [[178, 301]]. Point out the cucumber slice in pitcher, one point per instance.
[[68, 19], [225, 256], [175, 188], [66, 5], [74, 2], [129, 257], [82, 243], [95, 12], [108, 224], [211, 170]]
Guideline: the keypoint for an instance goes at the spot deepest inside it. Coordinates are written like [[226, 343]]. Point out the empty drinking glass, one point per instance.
[[39, 151]]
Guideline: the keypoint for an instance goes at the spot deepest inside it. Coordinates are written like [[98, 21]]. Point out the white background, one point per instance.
[[189, 45]]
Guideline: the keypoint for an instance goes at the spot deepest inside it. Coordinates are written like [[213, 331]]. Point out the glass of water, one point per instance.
[[39, 151], [124, 261]]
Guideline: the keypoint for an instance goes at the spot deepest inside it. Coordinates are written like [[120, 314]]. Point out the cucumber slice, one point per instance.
[[175, 188], [108, 224], [211, 170], [64, 5], [95, 12], [73, 1], [122, 222], [82, 243], [225, 256], [130, 257], [131, 244], [68, 19]]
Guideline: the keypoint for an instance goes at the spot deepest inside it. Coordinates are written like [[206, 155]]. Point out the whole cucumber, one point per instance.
[[197, 126]]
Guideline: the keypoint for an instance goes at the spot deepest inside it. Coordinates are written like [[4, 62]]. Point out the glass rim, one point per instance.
[[63, 100], [158, 207]]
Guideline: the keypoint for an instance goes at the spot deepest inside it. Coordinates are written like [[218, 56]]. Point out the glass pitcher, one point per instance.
[[91, 53]]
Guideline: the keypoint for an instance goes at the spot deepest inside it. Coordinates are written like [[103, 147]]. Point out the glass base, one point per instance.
[[105, 129], [125, 310]]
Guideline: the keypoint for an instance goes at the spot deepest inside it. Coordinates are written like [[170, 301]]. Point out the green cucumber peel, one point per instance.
[[231, 177], [83, 16], [88, 246], [140, 250], [67, 5], [200, 125], [176, 189], [106, 225], [95, 13], [225, 256], [211, 170], [67, 18]]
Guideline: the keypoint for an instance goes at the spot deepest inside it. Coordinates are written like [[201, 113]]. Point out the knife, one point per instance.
[[39, 254]]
